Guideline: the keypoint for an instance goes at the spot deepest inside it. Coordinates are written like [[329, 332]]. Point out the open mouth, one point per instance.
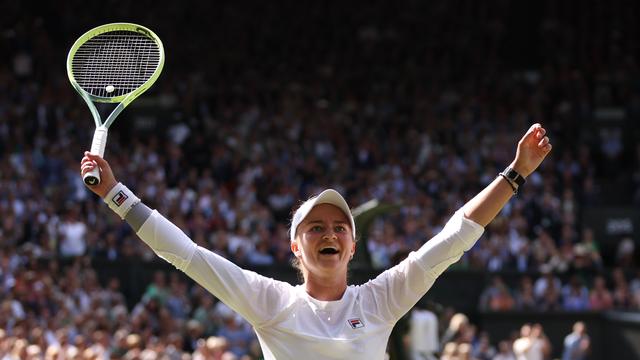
[[329, 251]]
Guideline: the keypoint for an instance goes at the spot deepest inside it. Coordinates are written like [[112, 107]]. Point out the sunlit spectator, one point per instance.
[[532, 343], [72, 234], [577, 344]]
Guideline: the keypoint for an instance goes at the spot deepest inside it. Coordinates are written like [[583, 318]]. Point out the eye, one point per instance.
[[340, 228], [316, 228]]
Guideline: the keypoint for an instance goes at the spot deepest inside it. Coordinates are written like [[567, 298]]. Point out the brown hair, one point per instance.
[[295, 262]]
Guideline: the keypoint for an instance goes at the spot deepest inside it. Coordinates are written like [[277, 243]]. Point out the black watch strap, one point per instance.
[[514, 176]]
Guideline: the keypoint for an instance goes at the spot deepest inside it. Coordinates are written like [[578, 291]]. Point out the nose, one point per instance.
[[330, 235]]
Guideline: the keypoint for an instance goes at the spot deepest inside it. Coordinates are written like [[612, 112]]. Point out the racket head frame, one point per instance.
[[124, 99]]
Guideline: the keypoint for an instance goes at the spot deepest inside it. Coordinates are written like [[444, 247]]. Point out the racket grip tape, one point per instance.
[[97, 147]]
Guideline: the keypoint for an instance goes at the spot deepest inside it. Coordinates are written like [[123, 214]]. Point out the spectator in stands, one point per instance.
[[108, 249], [194, 332], [204, 313], [575, 296], [213, 347], [72, 234], [577, 344], [546, 252], [525, 298], [454, 332], [589, 251], [450, 351], [237, 333], [469, 335], [625, 255], [545, 281], [177, 301], [622, 298], [499, 253], [260, 254], [158, 287], [505, 351], [523, 260], [482, 349], [532, 343], [550, 300], [423, 334], [600, 297], [497, 297], [464, 351]]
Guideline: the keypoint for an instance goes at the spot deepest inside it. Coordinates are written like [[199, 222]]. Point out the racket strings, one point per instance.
[[115, 63]]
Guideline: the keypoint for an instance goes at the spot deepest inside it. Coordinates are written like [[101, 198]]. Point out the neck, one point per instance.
[[325, 289]]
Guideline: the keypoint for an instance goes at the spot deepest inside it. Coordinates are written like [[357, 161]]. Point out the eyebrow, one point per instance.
[[322, 222]]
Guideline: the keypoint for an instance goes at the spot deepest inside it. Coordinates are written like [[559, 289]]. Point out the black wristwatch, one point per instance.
[[514, 178]]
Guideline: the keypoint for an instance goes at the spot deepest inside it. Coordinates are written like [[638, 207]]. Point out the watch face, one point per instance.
[[513, 175]]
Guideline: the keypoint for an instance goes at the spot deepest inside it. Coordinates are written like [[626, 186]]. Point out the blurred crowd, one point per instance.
[[419, 105], [549, 293], [51, 312], [462, 340]]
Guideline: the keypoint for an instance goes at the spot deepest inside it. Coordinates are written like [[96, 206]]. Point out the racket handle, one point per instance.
[[97, 147]]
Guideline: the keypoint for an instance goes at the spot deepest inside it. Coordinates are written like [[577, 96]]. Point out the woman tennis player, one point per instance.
[[324, 318]]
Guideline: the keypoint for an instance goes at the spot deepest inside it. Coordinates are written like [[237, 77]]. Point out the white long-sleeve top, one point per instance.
[[289, 323]]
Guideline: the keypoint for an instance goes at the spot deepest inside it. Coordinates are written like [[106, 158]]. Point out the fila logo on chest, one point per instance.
[[355, 323]]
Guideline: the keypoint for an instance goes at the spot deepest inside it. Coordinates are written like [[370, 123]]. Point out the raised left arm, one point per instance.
[[532, 149]]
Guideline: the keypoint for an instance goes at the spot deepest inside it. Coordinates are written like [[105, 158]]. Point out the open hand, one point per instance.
[[532, 149]]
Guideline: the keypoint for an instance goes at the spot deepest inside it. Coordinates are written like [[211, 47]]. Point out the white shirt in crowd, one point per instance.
[[423, 334], [72, 242]]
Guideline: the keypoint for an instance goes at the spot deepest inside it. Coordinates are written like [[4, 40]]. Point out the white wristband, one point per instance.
[[120, 199]]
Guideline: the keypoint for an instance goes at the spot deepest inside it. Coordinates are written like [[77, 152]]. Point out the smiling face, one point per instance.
[[324, 242]]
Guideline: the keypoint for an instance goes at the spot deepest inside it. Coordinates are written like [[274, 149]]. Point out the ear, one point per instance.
[[295, 249], [353, 248]]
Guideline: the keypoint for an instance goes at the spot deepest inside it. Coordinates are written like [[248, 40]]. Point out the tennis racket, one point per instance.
[[113, 63]]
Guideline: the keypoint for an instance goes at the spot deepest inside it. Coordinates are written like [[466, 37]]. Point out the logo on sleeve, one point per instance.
[[355, 323], [120, 198]]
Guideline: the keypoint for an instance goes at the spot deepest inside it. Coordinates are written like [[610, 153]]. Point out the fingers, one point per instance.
[[95, 157], [545, 144], [533, 133], [88, 162], [536, 133], [87, 166], [97, 160], [537, 130], [532, 128]]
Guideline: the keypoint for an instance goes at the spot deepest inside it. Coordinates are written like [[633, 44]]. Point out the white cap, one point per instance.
[[328, 196]]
